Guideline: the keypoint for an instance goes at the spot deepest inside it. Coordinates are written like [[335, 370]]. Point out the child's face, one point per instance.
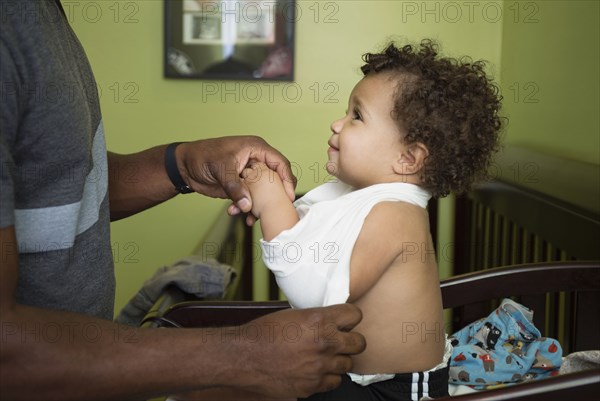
[[366, 142]]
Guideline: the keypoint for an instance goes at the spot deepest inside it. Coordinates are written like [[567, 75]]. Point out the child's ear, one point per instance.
[[412, 159]]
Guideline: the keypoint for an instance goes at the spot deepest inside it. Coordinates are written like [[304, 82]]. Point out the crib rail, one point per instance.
[[537, 286], [581, 279]]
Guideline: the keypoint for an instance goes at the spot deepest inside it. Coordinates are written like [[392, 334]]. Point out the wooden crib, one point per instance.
[[533, 234]]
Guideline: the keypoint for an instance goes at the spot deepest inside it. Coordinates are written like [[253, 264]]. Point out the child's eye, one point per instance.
[[356, 115]]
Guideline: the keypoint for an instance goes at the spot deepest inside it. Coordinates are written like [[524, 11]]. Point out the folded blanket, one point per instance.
[[193, 275], [579, 361], [503, 348]]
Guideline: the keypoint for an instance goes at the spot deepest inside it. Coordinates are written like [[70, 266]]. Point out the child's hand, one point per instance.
[[270, 201], [266, 187]]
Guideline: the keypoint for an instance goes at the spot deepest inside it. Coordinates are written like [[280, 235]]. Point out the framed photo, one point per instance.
[[230, 39]]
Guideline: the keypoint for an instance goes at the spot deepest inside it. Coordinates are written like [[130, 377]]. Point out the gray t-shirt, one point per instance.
[[53, 164]]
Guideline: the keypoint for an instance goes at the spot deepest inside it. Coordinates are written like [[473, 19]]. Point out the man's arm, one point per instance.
[[270, 201], [210, 167], [48, 354], [137, 182]]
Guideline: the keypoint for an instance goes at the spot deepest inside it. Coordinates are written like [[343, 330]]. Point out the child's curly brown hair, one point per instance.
[[450, 106]]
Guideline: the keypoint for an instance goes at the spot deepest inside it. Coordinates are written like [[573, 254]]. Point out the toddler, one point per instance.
[[417, 126]]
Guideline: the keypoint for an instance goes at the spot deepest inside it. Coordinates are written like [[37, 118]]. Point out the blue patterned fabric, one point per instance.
[[503, 348]]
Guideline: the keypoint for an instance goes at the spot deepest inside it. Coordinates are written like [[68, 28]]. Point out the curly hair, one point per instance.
[[450, 106]]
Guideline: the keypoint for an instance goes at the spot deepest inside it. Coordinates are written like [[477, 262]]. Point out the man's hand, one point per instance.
[[300, 352], [213, 166]]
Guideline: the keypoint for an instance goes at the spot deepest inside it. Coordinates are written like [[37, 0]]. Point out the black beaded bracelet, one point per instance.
[[173, 171]]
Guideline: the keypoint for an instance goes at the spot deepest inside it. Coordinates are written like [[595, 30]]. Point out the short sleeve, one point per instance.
[[308, 264], [9, 115]]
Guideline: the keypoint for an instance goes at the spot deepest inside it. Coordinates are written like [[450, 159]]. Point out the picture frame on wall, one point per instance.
[[229, 39]]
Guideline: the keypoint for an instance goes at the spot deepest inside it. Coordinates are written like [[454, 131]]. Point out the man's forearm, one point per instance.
[[58, 355], [137, 182]]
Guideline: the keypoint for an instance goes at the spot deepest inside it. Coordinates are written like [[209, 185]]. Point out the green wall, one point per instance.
[[124, 41], [550, 76]]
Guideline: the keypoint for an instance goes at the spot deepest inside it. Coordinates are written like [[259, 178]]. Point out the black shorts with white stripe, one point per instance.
[[402, 387]]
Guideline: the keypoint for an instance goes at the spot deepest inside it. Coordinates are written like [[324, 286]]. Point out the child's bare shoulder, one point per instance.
[[395, 223], [397, 213]]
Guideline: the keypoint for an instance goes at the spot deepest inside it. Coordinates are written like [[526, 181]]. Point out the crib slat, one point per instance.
[[552, 315], [587, 324], [495, 240], [518, 249], [505, 244], [566, 320], [537, 303], [471, 242]]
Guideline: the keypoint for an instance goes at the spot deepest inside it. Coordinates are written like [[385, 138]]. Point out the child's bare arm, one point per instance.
[[380, 243], [270, 202]]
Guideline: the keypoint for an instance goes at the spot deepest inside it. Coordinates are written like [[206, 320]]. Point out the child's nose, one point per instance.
[[336, 126]]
